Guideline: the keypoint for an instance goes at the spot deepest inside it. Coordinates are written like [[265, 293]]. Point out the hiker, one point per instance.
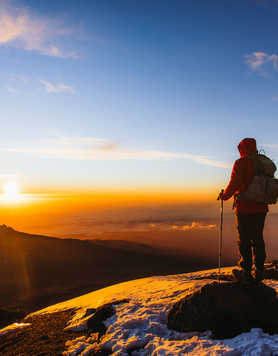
[[250, 215]]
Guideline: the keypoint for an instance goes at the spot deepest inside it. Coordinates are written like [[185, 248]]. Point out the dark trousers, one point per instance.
[[250, 240]]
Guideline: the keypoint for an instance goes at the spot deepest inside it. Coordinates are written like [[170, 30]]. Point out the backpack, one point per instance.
[[264, 187], [264, 166]]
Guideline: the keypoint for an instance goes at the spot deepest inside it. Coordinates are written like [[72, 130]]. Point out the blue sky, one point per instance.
[[134, 94]]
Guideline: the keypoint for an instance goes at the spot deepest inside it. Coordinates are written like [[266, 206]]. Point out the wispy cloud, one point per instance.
[[89, 148], [22, 29], [12, 90], [257, 60], [58, 88], [163, 224], [194, 226]]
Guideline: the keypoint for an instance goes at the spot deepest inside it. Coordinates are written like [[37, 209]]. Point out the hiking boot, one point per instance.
[[258, 275], [242, 275]]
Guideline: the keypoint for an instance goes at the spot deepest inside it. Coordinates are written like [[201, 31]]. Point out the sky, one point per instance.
[[134, 97]]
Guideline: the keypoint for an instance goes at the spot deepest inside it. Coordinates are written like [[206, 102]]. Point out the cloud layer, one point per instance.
[[21, 29], [194, 226], [89, 148]]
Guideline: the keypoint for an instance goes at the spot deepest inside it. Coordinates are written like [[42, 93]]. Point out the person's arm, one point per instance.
[[235, 182]]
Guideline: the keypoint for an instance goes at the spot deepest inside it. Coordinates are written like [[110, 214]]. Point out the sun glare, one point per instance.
[[11, 190]]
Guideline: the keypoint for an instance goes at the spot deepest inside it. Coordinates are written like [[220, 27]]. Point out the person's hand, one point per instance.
[[220, 196]]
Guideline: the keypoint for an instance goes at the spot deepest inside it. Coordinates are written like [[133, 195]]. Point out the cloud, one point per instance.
[[58, 88], [12, 90], [21, 29], [109, 146], [153, 219], [258, 59], [89, 148], [194, 226]]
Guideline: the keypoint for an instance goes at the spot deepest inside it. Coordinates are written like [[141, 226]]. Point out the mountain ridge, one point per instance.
[[38, 270]]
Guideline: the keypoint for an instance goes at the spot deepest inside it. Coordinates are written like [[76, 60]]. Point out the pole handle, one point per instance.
[[220, 194]]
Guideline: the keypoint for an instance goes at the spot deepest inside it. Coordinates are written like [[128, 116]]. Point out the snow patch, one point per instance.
[[254, 343]]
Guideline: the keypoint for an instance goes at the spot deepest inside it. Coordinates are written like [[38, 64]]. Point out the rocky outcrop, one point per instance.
[[227, 309]]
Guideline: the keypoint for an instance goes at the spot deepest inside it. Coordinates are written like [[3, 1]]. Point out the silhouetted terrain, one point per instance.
[[36, 270]]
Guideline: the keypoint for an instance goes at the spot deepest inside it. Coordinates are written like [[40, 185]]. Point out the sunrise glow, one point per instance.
[[114, 119], [11, 192], [11, 189]]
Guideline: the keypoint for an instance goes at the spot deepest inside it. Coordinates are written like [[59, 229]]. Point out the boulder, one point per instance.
[[95, 322], [226, 309]]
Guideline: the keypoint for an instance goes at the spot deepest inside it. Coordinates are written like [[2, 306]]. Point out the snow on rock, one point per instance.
[[13, 327], [139, 325]]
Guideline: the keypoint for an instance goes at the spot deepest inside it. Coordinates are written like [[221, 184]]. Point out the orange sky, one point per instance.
[[175, 220], [27, 209]]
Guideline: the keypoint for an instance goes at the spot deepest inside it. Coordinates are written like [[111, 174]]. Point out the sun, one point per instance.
[[11, 190]]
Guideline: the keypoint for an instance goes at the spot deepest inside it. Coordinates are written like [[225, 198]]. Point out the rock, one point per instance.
[[95, 322], [226, 309]]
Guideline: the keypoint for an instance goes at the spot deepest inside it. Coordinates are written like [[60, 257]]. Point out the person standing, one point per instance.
[[250, 215]]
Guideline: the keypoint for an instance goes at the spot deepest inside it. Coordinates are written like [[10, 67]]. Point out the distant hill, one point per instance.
[[36, 270]]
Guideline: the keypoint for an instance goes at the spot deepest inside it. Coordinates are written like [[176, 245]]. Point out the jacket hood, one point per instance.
[[247, 146]]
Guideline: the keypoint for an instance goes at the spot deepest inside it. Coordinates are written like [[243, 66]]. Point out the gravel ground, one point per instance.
[[45, 336]]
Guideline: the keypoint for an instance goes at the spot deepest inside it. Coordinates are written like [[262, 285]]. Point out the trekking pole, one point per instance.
[[220, 235]]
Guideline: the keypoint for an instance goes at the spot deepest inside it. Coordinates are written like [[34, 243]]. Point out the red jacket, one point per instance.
[[242, 175]]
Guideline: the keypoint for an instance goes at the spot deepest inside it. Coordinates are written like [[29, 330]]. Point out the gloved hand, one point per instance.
[[220, 196]]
